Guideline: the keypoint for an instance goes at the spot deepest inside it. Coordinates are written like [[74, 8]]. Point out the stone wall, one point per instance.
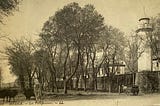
[[148, 81]]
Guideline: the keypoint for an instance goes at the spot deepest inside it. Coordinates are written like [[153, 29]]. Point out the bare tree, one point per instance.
[[21, 62], [111, 44], [133, 52]]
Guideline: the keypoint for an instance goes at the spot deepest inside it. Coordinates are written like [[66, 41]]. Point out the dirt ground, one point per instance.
[[91, 99]]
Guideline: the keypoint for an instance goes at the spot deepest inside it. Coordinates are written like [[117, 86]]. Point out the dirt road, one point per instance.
[[99, 100]]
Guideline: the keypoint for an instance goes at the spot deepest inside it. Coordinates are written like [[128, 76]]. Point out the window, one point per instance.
[[157, 64]]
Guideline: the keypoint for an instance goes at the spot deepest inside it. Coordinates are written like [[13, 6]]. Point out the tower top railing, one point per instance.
[[144, 25]]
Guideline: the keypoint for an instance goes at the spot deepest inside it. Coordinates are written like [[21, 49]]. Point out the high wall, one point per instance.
[[148, 81]]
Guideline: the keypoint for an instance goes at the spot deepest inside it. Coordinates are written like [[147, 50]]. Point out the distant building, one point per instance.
[[8, 85], [119, 68]]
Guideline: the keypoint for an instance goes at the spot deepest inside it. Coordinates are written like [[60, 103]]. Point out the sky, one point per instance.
[[29, 20]]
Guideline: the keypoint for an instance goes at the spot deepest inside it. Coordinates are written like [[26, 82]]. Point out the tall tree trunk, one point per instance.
[[109, 87], [55, 83], [95, 88], [104, 83], [94, 75], [86, 69], [75, 70], [77, 82], [30, 82], [52, 86], [110, 83], [85, 83], [93, 82], [22, 82], [65, 86], [133, 78], [111, 74], [52, 83], [64, 71]]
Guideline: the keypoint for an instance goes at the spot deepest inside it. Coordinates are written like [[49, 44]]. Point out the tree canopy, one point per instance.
[[7, 7], [70, 46], [156, 36]]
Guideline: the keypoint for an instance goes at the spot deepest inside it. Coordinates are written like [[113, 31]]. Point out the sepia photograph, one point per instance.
[[80, 52]]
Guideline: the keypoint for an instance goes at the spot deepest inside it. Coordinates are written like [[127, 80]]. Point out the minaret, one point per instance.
[[144, 32]]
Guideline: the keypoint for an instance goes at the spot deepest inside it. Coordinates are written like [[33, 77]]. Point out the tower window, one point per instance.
[[157, 64]]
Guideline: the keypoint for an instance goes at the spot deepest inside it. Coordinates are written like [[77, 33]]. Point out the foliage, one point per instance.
[[6, 7], [20, 60], [134, 50], [73, 43], [71, 29], [156, 36]]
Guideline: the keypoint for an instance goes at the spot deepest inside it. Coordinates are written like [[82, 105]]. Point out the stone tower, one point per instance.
[[144, 32], [145, 66]]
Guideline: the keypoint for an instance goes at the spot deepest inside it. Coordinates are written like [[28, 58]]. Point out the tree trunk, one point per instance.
[[64, 70], [76, 68], [22, 82], [109, 88], [110, 83], [55, 83], [95, 83], [30, 82], [52, 86], [133, 78], [56, 87], [65, 87], [77, 82], [104, 85], [85, 83]]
